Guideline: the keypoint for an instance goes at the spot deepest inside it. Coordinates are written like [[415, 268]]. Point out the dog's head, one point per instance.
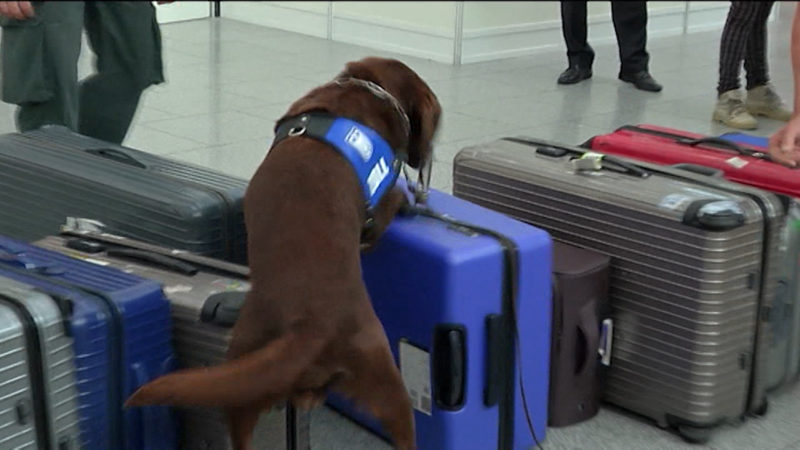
[[416, 98]]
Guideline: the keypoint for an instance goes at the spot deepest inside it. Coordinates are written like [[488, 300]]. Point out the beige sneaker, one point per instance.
[[731, 111], [763, 101]]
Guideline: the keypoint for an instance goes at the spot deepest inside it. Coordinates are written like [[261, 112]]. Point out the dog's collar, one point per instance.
[[381, 93], [375, 164]]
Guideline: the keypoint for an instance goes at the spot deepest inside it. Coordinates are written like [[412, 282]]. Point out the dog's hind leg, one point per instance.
[[378, 388], [241, 424]]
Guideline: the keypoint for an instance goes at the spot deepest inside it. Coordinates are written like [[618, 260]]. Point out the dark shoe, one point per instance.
[[574, 74], [642, 80]]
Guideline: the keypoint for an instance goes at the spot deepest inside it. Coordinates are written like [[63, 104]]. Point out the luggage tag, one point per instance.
[[589, 161]]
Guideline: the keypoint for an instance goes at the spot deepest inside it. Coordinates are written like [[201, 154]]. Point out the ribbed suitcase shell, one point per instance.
[[110, 366], [426, 277], [48, 391], [197, 342], [687, 301], [667, 146], [51, 173]]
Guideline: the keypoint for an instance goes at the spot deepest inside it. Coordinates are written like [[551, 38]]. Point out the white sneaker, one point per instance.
[[764, 101], [731, 111]]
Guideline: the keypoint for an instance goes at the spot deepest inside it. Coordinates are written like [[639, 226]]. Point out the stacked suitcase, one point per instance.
[[205, 297], [740, 158], [52, 173], [38, 399], [694, 262], [119, 326]]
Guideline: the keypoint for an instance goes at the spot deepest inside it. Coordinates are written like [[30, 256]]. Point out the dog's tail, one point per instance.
[[270, 371]]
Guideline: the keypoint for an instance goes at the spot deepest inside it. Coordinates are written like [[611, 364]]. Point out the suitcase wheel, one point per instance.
[[762, 410], [694, 435]]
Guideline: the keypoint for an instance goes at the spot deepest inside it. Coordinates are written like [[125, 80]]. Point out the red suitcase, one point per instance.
[[739, 163]]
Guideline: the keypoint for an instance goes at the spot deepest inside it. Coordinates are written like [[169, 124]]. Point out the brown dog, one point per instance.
[[308, 326]]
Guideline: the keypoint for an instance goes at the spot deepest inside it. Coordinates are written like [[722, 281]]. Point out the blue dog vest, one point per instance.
[[373, 160]]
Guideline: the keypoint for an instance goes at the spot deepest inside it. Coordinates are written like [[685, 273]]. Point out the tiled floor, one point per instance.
[[227, 82]]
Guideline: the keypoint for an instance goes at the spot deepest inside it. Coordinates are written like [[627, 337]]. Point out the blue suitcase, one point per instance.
[[747, 139], [120, 326], [442, 292]]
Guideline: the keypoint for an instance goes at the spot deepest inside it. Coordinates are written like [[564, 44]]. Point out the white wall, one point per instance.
[[182, 10], [424, 28], [301, 17], [488, 29]]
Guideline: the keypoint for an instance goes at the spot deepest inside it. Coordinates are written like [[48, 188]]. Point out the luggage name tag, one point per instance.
[[589, 161]]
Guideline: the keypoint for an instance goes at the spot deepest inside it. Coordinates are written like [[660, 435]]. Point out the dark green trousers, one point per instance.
[[38, 65]]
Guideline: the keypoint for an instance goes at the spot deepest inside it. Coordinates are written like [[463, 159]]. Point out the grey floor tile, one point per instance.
[[186, 102], [456, 126], [240, 159], [270, 91], [219, 128], [142, 137]]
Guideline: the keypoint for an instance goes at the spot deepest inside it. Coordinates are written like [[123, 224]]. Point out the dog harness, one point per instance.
[[373, 160]]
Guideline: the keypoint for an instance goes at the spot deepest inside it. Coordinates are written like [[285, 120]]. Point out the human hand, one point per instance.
[[16, 10], [784, 144]]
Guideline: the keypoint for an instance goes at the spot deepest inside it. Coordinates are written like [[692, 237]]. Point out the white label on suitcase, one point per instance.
[[674, 201], [736, 162], [415, 367]]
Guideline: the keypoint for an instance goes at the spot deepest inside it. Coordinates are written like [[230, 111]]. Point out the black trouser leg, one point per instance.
[[573, 25], [630, 25]]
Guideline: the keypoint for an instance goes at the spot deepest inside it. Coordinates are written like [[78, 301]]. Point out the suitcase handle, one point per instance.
[[154, 258], [699, 169], [117, 155], [16, 257], [593, 161], [606, 338], [222, 308], [726, 144], [449, 366]]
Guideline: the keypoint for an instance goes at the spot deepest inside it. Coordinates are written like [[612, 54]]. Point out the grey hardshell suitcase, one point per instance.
[[695, 268], [784, 352], [205, 296], [38, 396], [49, 174]]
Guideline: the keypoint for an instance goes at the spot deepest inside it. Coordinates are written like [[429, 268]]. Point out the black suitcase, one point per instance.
[[582, 333], [50, 174]]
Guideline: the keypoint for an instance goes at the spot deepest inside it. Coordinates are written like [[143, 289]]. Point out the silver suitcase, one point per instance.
[[784, 353], [205, 295], [38, 395], [695, 267]]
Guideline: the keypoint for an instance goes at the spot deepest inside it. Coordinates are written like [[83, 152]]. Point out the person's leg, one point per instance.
[[127, 41], [579, 53], [730, 109], [630, 26], [755, 57], [761, 97], [733, 43], [39, 65]]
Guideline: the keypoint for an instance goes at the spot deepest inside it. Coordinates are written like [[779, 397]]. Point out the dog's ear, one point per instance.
[[424, 117]]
